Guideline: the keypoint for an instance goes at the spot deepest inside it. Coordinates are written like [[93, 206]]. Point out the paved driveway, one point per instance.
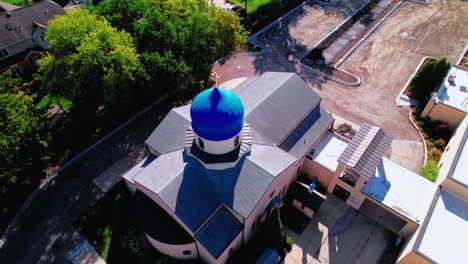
[[338, 234], [384, 62]]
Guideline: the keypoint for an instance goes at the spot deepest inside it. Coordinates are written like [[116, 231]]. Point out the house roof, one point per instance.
[[307, 133], [170, 134], [400, 190], [23, 19], [194, 192], [219, 231], [454, 94], [443, 236], [328, 151], [366, 149], [266, 100]]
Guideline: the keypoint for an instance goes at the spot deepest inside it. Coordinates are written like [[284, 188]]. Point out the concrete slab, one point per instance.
[[409, 154], [363, 241]]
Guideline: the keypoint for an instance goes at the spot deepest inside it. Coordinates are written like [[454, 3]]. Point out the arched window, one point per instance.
[[236, 141], [201, 144]]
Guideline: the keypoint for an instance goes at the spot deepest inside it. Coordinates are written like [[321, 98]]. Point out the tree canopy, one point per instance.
[[96, 64], [177, 39], [428, 78], [23, 134]]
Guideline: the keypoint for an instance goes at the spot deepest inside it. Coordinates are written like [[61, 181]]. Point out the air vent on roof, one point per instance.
[[8, 14], [9, 26], [463, 88], [451, 80]]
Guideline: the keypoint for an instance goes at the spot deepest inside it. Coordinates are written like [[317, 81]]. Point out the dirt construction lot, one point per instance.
[[384, 62]]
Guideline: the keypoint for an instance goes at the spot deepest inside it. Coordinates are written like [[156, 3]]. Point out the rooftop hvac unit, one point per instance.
[[463, 88]]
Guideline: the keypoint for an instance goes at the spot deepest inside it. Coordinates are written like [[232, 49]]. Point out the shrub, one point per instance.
[[429, 144], [436, 154], [346, 130], [440, 143], [428, 78], [430, 171], [441, 129], [420, 123]]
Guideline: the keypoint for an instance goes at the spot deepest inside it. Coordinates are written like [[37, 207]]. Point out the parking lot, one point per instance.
[[384, 62], [337, 234]]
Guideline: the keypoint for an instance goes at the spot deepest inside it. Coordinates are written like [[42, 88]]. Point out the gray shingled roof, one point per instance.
[[25, 17], [275, 103], [366, 149], [301, 140], [170, 134], [194, 192]]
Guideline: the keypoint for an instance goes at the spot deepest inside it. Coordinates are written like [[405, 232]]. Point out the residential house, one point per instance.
[[22, 32]]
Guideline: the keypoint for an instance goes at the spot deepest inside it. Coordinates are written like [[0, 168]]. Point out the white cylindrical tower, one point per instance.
[[217, 120]]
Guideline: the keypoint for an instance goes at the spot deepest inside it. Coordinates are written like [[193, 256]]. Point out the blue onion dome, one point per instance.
[[217, 114]]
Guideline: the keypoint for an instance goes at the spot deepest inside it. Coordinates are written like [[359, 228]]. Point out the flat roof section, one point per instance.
[[401, 190], [328, 151], [454, 90], [444, 237]]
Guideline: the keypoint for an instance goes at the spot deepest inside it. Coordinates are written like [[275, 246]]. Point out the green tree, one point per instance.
[[8, 84], [23, 138], [98, 66], [428, 78], [178, 39]]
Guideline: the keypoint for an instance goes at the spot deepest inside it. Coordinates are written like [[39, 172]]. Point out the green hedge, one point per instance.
[[428, 78]]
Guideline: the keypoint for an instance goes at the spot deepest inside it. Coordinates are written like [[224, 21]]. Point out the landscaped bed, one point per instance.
[[436, 133]]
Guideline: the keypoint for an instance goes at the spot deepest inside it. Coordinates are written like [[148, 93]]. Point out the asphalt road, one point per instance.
[[43, 234]]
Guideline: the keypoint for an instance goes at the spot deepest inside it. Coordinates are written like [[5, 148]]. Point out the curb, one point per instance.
[[422, 137], [367, 35], [356, 83], [56, 175]]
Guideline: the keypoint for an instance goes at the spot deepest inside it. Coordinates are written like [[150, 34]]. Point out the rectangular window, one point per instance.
[[18, 71], [272, 193], [186, 252], [5, 52], [201, 144]]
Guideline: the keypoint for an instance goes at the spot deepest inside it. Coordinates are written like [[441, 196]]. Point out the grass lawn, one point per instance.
[[14, 2], [49, 100], [252, 5]]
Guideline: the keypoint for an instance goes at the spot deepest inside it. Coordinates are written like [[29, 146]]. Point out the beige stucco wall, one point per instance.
[[447, 160], [176, 251], [455, 188], [356, 198], [284, 180], [443, 112], [313, 169], [412, 258]]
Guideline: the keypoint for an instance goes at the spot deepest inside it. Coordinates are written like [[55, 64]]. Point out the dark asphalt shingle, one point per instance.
[[39, 13]]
